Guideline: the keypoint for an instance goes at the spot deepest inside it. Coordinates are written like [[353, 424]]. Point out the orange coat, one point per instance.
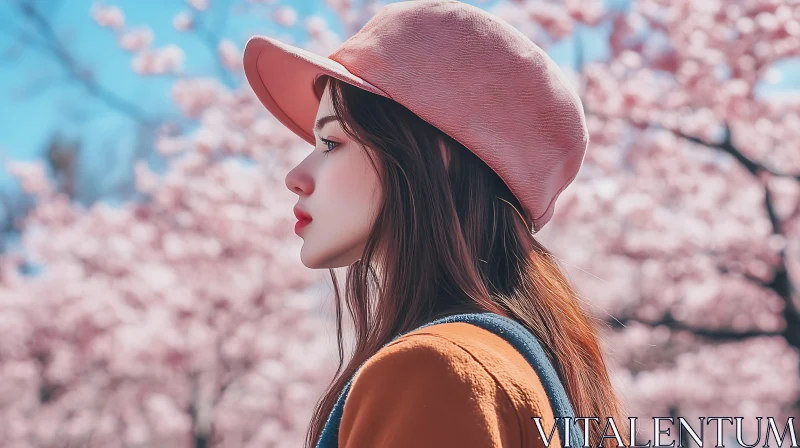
[[447, 385]]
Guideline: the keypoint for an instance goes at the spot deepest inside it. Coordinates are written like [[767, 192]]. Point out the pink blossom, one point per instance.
[[315, 26], [285, 16], [200, 5], [183, 21], [32, 175], [108, 16], [552, 18], [195, 299], [168, 59], [230, 55], [136, 39], [193, 96]]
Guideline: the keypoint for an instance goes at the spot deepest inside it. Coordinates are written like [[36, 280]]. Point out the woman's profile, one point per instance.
[[442, 138]]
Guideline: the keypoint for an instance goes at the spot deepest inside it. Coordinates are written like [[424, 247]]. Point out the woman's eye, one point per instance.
[[328, 143]]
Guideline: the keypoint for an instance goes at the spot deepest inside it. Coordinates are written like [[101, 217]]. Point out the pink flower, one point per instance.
[[108, 16], [230, 55], [316, 26], [168, 59], [32, 176], [136, 39], [183, 21], [200, 5], [285, 16]]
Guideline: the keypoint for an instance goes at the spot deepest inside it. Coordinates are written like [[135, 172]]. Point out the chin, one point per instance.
[[317, 260], [313, 260]]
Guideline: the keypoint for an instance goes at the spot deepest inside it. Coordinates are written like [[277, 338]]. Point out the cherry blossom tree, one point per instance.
[[182, 319], [185, 318], [687, 214]]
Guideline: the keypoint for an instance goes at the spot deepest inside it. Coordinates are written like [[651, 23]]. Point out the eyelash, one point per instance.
[[327, 142]]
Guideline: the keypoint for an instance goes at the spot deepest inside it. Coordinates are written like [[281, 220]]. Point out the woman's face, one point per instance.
[[339, 190]]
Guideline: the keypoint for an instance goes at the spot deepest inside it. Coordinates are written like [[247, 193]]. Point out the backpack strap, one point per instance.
[[522, 340]]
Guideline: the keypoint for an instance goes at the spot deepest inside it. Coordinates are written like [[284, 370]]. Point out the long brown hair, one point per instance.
[[451, 241]]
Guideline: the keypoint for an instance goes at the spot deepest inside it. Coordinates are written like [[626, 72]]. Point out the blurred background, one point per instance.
[[151, 292]]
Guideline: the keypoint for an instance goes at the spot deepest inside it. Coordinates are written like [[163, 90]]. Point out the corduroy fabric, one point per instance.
[[476, 380]]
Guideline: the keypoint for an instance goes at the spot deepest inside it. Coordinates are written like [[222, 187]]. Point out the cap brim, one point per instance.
[[284, 76]]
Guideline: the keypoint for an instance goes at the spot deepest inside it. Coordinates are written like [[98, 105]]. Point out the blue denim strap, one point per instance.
[[522, 340]]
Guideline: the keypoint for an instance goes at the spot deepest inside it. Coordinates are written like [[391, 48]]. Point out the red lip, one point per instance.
[[303, 218], [301, 214], [300, 224]]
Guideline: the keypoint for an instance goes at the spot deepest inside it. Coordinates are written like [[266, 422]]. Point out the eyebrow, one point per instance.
[[323, 121]]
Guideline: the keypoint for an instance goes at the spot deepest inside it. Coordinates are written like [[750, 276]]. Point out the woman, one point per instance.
[[442, 136]]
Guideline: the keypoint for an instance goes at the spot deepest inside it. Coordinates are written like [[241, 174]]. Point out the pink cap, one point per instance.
[[467, 72]]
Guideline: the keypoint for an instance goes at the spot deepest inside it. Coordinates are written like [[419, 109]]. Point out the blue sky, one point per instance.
[[37, 102]]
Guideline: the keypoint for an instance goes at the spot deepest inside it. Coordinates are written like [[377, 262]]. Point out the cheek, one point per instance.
[[352, 191]]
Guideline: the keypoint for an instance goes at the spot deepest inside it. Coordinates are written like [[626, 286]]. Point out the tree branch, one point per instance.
[[211, 40], [727, 146], [673, 324], [55, 47]]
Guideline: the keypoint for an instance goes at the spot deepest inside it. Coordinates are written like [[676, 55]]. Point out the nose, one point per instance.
[[299, 181]]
